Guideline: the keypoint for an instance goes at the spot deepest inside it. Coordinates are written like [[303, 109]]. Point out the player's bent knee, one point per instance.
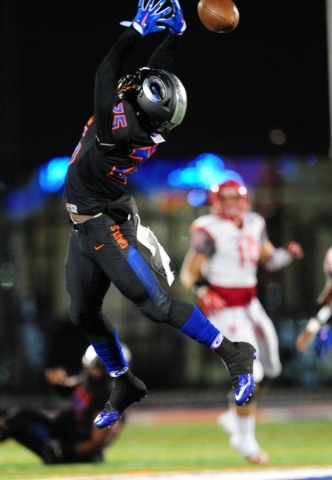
[[73, 314], [157, 312]]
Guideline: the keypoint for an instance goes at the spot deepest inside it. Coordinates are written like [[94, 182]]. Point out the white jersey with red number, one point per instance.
[[236, 250], [231, 270]]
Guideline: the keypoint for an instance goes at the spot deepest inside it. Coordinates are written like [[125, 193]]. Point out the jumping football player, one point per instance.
[[133, 114]]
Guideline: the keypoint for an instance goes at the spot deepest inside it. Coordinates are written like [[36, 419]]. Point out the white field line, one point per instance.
[[273, 474]]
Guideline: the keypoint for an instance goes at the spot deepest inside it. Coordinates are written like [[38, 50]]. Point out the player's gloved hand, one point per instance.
[[323, 341], [209, 302], [176, 23], [294, 249], [148, 15]]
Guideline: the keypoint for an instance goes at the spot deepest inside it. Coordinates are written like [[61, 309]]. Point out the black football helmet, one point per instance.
[[160, 97]]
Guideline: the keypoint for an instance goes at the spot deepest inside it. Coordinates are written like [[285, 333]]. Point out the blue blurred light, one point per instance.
[[26, 200], [197, 197], [207, 169], [288, 167], [312, 160], [52, 174]]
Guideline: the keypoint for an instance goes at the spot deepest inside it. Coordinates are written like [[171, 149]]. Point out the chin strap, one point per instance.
[[159, 259]]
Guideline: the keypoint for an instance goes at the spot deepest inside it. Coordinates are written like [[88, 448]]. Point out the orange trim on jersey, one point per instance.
[[142, 153]]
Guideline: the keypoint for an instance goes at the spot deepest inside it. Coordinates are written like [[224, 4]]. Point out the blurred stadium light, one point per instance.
[[52, 174], [28, 199], [207, 169]]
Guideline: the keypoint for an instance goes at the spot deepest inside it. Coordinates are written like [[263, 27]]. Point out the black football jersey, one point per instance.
[[113, 144]]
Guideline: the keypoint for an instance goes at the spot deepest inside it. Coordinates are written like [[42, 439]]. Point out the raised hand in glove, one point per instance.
[[294, 249], [209, 301], [148, 15], [175, 22]]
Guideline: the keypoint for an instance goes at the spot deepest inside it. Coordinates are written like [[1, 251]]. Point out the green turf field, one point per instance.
[[187, 447]]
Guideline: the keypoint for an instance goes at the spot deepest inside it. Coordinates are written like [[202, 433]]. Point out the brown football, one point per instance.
[[219, 16]]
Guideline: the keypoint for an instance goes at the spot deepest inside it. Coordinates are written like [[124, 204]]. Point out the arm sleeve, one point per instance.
[[202, 242], [106, 82], [264, 235], [163, 57], [280, 259]]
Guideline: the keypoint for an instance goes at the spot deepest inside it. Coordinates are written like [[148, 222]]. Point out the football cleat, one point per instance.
[[243, 386], [128, 389], [238, 358], [108, 417]]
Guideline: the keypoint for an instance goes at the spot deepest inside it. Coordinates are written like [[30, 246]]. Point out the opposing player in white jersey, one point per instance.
[[221, 268], [316, 322]]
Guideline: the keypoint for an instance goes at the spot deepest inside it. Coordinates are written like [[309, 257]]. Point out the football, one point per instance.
[[218, 16]]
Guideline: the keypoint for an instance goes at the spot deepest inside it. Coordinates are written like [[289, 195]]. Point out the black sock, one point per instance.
[[128, 389], [237, 356]]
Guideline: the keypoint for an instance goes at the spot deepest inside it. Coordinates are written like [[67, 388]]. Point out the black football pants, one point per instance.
[[101, 251]]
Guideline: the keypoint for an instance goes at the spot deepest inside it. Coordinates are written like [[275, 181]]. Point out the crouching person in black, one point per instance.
[[67, 435]]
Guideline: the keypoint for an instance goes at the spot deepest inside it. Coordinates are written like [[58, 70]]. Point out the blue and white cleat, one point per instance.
[[127, 390], [243, 384], [108, 417], [238, 357], [243, 388]]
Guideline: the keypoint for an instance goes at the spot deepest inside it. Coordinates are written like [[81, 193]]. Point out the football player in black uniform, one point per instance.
[[67, 435], [132, 115]]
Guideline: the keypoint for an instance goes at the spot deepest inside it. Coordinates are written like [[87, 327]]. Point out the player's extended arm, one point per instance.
[[62, 384], [106, 83], [318, 320], [191, 277], [111, 68], [190, 273], [164, 55], [275, 259]]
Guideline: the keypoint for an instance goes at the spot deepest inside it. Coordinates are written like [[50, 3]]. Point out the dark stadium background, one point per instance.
[[271, 73]]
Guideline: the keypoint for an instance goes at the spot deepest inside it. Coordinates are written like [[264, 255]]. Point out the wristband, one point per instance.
[[281, 258], [199, 286], [324, 314], [200, 291], [313, 326]]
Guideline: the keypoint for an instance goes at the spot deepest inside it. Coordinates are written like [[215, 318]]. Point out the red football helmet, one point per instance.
[[229, 200]]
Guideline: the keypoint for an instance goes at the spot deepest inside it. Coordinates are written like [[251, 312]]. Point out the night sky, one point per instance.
[[269, 73]]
